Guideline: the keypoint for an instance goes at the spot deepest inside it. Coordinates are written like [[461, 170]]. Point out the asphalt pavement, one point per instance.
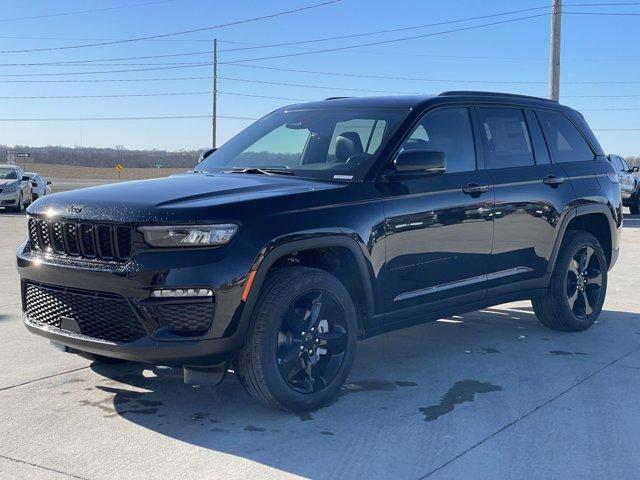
[[486, 395]]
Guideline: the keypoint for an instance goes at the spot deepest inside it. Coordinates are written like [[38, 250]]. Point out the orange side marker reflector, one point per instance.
[[247, 286]]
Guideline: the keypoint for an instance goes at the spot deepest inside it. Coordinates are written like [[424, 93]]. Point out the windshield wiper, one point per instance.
[[263, 171]]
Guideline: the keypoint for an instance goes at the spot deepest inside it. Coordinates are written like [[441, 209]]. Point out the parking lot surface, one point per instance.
[[485, 395]]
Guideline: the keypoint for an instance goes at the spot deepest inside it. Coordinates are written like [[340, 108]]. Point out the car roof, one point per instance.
[[420, 101]]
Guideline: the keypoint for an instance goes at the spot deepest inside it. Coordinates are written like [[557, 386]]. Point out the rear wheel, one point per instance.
[[301, 341], [578, 285]]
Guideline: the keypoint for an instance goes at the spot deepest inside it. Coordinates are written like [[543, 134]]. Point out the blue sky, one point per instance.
[[595, 48]]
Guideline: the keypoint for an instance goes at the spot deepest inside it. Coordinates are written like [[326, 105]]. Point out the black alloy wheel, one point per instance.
[[301, 341], [312, 341], [578, 286], [584, 282]]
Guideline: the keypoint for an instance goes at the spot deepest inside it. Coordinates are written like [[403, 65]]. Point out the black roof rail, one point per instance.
[[336, 98], [491, 94]]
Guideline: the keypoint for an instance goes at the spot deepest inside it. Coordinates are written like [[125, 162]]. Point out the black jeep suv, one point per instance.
[[325, 222]]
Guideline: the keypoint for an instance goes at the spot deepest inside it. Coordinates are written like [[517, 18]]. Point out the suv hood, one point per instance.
[[5, 182], [186, 197]]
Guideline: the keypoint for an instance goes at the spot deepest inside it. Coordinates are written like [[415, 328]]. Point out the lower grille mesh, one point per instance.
[[101, 316], [181, 319]]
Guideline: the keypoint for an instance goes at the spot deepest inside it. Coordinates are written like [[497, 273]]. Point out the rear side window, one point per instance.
[[506, 138], [446, 130], [566, 143]]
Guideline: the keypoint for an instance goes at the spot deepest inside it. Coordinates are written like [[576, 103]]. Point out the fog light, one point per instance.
[[182, 293]]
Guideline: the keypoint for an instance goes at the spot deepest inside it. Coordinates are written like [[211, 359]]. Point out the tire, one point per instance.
[[20, 206], [571, 304], [634, 205], [276, 346]]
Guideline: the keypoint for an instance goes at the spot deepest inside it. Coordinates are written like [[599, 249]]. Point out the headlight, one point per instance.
[[10, 189], [189, 236]]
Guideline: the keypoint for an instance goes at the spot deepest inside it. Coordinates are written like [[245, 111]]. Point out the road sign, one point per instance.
[[119, 167], [23, 155], [10, 152]]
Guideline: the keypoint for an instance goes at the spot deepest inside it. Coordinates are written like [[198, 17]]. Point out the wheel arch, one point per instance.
[[595, 219], [280, 254]]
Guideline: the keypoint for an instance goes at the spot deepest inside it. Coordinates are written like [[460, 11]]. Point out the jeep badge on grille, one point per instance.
[[74, 209]]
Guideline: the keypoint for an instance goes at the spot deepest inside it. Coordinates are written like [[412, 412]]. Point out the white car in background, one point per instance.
[[15, 188], [39, 186]]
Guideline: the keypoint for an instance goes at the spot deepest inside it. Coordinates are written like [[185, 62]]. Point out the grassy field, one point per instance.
[[50, 171]]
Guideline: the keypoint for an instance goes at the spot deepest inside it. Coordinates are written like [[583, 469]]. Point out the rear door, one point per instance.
[[530, 194]]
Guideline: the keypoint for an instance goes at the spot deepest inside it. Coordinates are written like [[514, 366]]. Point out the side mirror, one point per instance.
[[425, 162], [25, 179], [205, 153], [635, 169], [48, 182]]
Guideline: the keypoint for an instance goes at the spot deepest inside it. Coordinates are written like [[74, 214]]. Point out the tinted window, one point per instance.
[[449, 131], [334, 143], [565, 142], [506, 138]]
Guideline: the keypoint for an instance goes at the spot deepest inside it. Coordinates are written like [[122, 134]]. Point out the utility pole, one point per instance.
[[214, 109], [554, 66]]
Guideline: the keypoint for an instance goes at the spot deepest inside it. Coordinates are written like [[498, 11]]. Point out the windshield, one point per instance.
[[8, 174], [339, 144]]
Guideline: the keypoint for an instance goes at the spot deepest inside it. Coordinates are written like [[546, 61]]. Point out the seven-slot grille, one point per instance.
[[81, 239]]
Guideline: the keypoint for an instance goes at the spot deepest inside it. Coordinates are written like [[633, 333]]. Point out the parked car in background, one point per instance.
[[39, 186], [629, 183], [15, 188]]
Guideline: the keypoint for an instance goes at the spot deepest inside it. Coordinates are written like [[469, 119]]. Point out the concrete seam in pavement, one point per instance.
[[42, 378], [525, 415], [71, 475]]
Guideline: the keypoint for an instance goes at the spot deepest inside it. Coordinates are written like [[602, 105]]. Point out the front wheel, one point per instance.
[[578, 285], [20, 206], [301, 341]]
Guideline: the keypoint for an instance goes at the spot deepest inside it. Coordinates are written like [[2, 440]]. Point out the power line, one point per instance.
[[393, 40], [83, 119], [133, 95], [172, 34], [392, 30], [169, 79], [79, 12]]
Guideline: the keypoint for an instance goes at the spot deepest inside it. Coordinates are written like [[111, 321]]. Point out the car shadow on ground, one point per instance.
[[394, 375]]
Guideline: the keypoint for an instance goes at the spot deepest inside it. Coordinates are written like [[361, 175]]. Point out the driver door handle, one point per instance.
[[552, 180], [475, 188]]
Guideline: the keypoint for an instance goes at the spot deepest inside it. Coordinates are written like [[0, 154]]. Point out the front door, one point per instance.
[[438, 228]]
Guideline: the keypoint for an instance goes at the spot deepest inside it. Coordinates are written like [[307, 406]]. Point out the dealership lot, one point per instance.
[[491, 394]]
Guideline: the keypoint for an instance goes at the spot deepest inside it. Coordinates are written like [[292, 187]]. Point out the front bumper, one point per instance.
[[9, 199], [130, 284]]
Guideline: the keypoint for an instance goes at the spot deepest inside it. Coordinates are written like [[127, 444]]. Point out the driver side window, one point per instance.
[[447, 130]]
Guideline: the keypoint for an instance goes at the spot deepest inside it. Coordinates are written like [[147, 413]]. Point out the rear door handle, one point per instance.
[[475, 189], [552, 180]]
